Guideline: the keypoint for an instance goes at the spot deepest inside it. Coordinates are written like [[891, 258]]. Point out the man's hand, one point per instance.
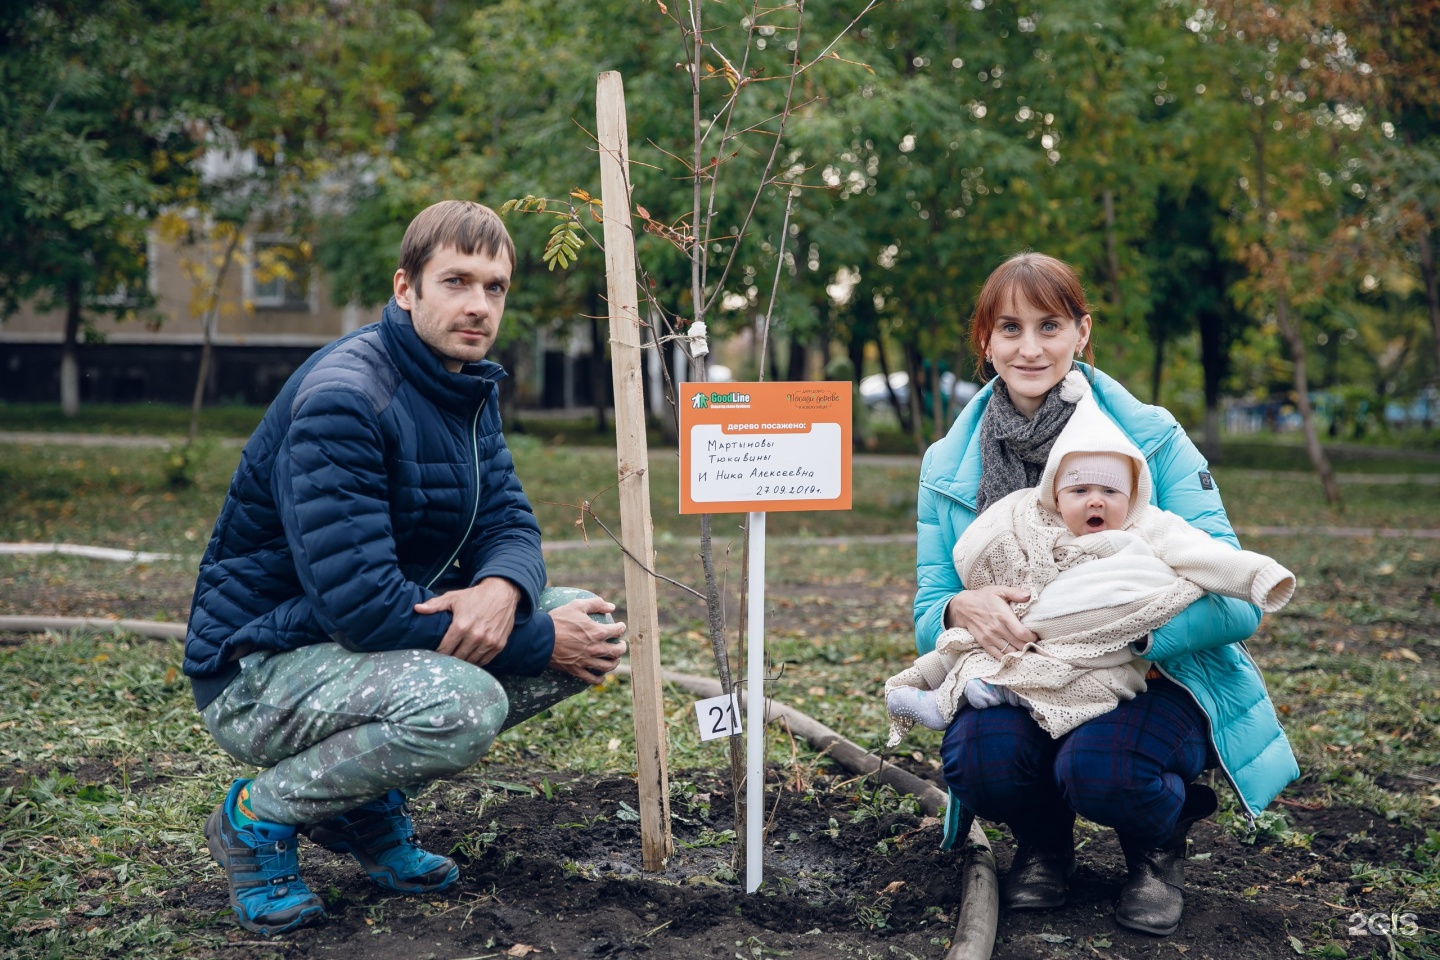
[[483, 616], [987, 614], [586, 648]]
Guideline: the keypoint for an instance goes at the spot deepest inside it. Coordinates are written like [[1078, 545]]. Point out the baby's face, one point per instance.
[[1092, 507]]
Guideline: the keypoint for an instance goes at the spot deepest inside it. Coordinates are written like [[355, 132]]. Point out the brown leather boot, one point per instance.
[[1153, 897], [1039, 879]]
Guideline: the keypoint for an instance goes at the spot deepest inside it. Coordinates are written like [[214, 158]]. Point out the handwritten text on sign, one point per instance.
[[748, 447], [793, 466]]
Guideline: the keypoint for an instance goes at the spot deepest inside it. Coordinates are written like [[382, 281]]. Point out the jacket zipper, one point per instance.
[[1249, 814], [475, 507], [1210, 737]]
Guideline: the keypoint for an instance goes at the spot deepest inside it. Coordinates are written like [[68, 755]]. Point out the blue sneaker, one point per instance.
[[261, 868], [381, 836]]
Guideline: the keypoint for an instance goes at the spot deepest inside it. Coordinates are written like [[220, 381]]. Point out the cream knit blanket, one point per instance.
[[1091, 596], [1086, 609]]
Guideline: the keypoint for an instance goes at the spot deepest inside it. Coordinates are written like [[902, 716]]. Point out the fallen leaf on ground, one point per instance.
[[702, 881], [35, 926], [521, 949], [1300, 804]]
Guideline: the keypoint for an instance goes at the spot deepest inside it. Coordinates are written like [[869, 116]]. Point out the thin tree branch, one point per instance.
[[658, 576], [729, 111], [775, 287], [774, 152]]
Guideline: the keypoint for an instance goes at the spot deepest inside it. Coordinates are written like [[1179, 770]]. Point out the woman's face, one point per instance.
[[1031, 350]]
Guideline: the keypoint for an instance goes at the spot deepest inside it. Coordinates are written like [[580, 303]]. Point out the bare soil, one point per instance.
[[845, 876]]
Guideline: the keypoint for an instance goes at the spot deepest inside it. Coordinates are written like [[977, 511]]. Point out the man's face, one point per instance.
[[1092, 507], [463, 299]]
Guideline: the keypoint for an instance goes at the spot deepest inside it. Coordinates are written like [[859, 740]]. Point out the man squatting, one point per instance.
[[371, 610]]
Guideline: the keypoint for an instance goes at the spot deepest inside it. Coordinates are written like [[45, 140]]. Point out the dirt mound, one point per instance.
[[849, 873]]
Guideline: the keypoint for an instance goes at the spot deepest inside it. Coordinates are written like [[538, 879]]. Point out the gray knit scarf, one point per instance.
[[1013, 449]]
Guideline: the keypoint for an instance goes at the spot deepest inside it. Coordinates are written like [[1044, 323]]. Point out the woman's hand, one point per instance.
[[986, 613]]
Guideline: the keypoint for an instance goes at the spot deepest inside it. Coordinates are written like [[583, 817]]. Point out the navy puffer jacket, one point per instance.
[[376, 480]]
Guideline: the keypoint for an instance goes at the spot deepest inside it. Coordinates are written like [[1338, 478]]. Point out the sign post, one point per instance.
[[757, 448]]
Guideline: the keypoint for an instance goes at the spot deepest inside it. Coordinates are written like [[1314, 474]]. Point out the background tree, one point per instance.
[[89, 155]]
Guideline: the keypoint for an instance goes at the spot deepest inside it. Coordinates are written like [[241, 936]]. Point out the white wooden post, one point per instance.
[[755, 707], [634, 468]]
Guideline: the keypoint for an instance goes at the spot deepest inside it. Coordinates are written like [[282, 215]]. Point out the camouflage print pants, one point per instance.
[[334, 729]]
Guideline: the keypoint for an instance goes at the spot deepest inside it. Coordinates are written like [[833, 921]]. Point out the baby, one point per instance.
[[1103, 568]]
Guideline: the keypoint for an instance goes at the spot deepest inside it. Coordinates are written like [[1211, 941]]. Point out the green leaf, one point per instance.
[[96, 793]]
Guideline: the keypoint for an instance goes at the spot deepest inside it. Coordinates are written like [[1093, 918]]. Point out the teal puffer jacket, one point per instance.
[[1201, 649]]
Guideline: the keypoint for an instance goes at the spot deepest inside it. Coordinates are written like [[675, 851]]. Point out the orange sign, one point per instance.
[[763, 447]]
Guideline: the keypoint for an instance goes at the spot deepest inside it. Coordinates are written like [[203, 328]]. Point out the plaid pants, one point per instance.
[[334, 729], [1126, 769]]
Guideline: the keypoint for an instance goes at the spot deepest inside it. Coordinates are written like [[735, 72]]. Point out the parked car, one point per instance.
[[874, 395]]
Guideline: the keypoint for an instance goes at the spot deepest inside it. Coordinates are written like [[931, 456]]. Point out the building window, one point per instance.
[[122, 297], [277, 274]]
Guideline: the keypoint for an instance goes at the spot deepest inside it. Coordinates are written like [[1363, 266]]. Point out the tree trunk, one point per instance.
[[1212, 365], [1157, 366], [207, 331], [715, 611], [1291, 332], [1112, 254], [938, 403], [901, 413], [827, 321], [70, 352], [962, 372], [917, 418], [795, 364], [1210, 443], [197, 399], [856, 349], [669, 429], [1291, 329], [1432, 295]]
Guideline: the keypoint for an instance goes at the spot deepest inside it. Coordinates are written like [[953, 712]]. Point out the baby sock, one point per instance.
[[982, 695], [912, 703]]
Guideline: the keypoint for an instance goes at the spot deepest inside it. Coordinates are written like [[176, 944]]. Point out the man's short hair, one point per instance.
[[463, 224]]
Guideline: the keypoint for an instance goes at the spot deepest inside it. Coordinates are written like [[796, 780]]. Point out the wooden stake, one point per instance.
[[633, 457]]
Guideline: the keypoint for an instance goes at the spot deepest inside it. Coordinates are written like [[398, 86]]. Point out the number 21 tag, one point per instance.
[[718, 717]]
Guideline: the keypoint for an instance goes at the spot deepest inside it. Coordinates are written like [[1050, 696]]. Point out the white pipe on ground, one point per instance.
[[93, 553], [142, 628]]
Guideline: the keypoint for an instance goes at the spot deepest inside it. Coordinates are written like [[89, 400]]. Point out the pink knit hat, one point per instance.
[[1105, 469]]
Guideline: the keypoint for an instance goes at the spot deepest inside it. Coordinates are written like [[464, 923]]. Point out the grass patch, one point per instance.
[[1287, 452], [131, 419], [106, 774], [123, 497], [89, 729]]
